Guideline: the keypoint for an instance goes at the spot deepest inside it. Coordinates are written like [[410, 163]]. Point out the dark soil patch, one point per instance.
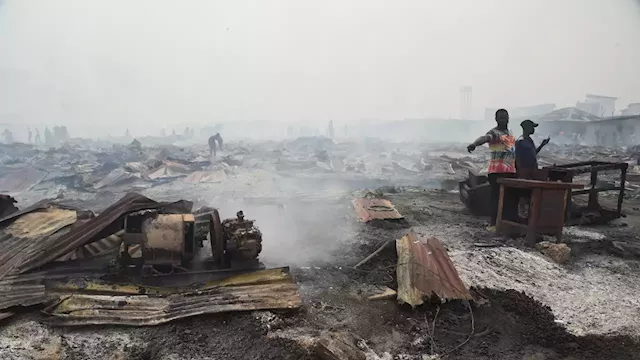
[[536, 325], [227, 336], [508, 326]]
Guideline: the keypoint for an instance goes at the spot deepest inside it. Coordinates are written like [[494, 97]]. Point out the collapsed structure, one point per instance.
[[134, 243]]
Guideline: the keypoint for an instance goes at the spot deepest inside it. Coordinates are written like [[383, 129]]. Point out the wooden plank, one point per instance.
[[532, 184], [514, 224], [533, 174], [338, 346], [588, 191], [510, 227]]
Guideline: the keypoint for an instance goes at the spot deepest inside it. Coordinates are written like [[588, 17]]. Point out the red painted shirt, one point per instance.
[[503, 152]]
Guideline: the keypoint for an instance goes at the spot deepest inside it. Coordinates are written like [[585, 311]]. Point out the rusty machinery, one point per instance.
[[160, 243]]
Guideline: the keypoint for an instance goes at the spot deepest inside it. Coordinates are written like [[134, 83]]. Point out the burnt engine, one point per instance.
[[244, 240], [170, 242]]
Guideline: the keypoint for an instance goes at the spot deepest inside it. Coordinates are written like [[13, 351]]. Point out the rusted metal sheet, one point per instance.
[[44, 204], [20, 240], [106, 223], [29, 289], [22, 295], [373, 208], [261, 290], [425, 269]]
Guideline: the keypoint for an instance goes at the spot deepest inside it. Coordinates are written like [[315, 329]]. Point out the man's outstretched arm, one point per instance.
[[479, 141]]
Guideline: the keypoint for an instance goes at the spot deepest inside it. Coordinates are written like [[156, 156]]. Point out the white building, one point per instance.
[[632, 109], [598, 105], [522, 112]]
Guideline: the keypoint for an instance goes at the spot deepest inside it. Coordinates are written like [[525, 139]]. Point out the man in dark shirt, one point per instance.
[[212, 144], [526, 151]]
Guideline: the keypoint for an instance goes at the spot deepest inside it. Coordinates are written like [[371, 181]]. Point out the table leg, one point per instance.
[[534, 213], [623, 180], [567, 195]]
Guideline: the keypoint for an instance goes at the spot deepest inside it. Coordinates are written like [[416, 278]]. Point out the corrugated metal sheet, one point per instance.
[[106, 223], [94, 249], [206, 177], [22, 239], [29, 289], [21, 180], [23, 295], [373, 208], [169, 169], [425, 269], [262, 290], [44, 204], [45, 232]]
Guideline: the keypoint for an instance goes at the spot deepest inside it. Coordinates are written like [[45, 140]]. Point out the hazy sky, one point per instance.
[[142, 64]]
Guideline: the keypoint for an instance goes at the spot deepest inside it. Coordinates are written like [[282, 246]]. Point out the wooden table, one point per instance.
[[547, 207]]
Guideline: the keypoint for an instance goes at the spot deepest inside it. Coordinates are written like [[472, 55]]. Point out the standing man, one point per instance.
[[212, 144], [526, 151], [29, 132], [503, 156], [330, 131], [48, 137]]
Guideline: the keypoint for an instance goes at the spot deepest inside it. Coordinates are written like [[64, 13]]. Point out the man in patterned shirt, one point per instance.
[[503, 157]]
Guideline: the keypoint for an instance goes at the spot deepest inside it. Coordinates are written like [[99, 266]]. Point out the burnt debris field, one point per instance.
[[357, 250]]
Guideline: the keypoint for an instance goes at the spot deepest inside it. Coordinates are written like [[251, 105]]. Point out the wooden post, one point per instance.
[[593, 193], [623, 180]]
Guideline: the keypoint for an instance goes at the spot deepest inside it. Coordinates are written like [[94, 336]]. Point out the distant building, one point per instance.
[[598, 105], [522, 112], [465, 102], [569, 114], [632, 109]]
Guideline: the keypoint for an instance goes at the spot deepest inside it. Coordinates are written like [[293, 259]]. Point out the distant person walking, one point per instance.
[[330, 130], [48, 138], [38, 140], [29, 134], [503, 156], [212, 144]]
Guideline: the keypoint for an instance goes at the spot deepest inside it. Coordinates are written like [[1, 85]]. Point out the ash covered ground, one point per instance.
[[299, 193]]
